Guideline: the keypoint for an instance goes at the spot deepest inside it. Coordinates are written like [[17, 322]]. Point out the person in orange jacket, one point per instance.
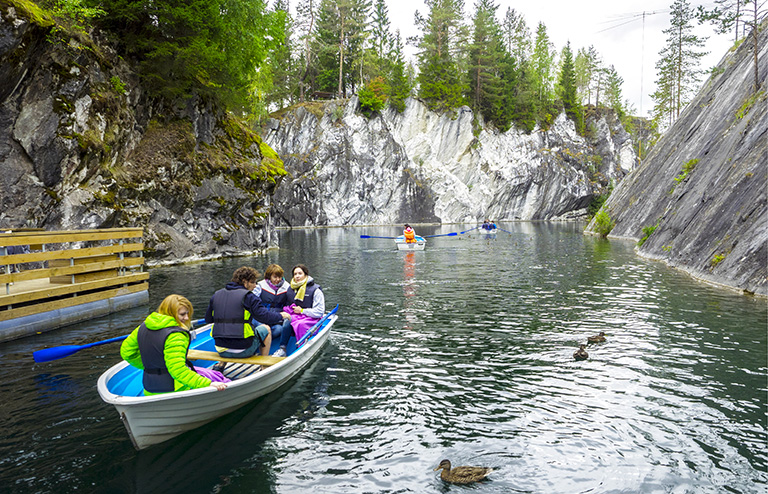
[[409, 234]]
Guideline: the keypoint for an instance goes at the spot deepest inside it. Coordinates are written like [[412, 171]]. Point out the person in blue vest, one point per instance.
[[307, 299], [273, 293], [159, 346], [233, 310]]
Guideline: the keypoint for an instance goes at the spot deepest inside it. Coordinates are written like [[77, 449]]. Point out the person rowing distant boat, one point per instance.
[[409, 234]]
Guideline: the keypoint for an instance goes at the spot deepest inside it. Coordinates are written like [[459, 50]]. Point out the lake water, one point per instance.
[[462, 351]]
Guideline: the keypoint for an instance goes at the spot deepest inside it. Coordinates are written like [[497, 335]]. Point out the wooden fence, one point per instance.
[[62, 269]]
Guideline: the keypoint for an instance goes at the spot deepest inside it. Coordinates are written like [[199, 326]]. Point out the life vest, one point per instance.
[[309, 295], [151, 342], [272, 299], [231, 322], [410, 235]]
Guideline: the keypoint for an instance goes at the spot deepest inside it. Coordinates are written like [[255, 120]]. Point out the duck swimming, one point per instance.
[[462, 475], [598, 338], [581, 353]]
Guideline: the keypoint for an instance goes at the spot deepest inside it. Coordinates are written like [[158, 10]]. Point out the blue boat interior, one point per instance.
[[128, 381]]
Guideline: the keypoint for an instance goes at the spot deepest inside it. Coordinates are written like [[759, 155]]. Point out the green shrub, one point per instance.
[[647, 232], [373, 96], [687, 168], [117, 84], [603, 223]]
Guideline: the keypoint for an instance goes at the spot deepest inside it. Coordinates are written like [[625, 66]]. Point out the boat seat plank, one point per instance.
[[255, 360]]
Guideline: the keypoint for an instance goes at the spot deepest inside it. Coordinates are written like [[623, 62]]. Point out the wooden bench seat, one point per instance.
[[255, 360]]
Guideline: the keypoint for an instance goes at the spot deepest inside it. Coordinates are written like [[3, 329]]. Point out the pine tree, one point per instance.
[[568, 91], [485, 55], [679, 74], [281, 63], [729, 13], [588, 66], [517, 36], [305, 26], [188, 49], [440, 82], [542, 63]]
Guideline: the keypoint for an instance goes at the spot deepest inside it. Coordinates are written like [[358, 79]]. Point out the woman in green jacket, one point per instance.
[[159, 346]]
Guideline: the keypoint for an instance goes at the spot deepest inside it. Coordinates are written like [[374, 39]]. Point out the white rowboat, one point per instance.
[[156, 418], [419, 244]]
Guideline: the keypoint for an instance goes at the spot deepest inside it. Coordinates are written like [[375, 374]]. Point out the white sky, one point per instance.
[[614, 27]]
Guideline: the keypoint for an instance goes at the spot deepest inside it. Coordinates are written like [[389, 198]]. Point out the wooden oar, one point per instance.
[[314, 328], [57, 352]]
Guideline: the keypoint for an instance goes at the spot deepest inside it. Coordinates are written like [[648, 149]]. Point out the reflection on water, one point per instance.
[[462, 351]]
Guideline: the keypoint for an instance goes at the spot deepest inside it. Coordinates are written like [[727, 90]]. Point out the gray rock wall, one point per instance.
[[712, 222], [419, 166], [76, 152]]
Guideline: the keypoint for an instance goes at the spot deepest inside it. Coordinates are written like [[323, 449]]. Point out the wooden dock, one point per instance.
[[65, 277]]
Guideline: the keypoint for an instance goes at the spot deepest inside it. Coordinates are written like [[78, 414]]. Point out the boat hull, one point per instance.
[[157, 418], [487, 233], [419, 244]]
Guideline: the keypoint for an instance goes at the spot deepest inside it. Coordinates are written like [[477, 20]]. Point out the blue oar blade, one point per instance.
[[373, 236], [57, 352]]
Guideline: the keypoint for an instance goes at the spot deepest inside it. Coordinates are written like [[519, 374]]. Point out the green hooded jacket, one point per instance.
[[175, 353]]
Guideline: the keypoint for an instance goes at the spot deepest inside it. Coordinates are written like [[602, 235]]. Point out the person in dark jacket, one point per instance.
[[159, 347], [234, 310], [307, 301], [273, 293]]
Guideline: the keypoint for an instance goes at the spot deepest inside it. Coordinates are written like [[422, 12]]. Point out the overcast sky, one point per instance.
[[616, 28]]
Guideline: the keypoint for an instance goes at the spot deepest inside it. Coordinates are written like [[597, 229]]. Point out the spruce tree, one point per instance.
[[568, 90], [613, 96], [399, 86], [485, 57], [440, 83], [188, 49]]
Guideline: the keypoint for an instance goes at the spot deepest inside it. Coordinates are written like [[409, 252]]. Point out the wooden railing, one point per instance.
[[68, 268]]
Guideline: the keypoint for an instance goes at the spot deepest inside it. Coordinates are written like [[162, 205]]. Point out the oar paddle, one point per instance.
[[465, 231], [373, 236], [57, 352], [503, 230], [314, 328], [452, 234]]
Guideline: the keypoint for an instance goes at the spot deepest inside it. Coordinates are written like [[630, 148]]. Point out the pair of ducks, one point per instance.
[[581, 353]]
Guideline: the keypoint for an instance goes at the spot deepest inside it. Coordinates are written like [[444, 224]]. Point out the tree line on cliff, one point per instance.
[[250, 57]]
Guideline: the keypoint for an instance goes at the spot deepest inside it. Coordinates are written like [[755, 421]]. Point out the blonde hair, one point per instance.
[[170, 307]]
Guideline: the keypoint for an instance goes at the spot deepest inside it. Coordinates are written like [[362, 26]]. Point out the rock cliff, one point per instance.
[[420, 166], [702, 189], [82, 146]]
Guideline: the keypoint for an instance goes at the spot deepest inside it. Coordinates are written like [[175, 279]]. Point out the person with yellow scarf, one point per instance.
[[306, 302]]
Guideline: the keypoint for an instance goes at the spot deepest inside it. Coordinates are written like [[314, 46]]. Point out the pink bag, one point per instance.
[[299, 322], [211, 374]]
